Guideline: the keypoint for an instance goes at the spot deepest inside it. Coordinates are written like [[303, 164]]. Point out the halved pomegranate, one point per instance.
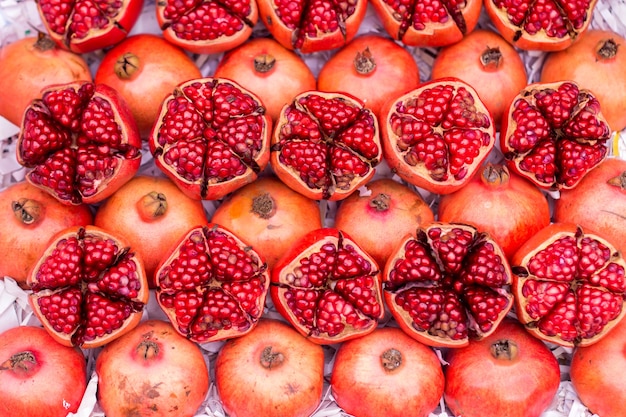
[[447, 284], [553, 134], [212, 285], [211, 137]]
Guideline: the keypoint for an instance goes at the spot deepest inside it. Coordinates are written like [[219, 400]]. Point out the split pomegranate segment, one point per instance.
[[328, 288], [88, 287], [207, 26], [428, 22], [212, 285], [548, 25], [312, 26], [554, 133], [325, 145], [81, 141], [448, 283], [211, 137], [569, 285], [87, 25], [437, 135]]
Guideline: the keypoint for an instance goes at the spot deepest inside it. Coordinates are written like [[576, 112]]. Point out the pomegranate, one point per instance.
[[211, 285], [207, 26], [369, 371], [271, 371], [30, 64], [152, 214], [325, 145], [500, 203], [328, 288], [598, 202], [448, 284], [569, 285], [81, 142], [370, 60], [428, 22], [593, 60], [509, 373], [545, 25], [380, 214], [88, 25], [312, 26], [553, 134], [268, 69], [488, 63], [38, 376], [30, 217], [597, 373], [151, 371], [88, 287], [144, 69], [436, 136], [211, 137], [268, 215]]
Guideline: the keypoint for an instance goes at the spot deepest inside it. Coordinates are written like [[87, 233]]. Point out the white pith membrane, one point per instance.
[[18, 18]]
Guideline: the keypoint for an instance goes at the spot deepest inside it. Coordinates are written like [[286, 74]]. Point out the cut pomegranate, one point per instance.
[[81, 141], [211, 285], [553, 134], [325, 145], [569, 285], [328, 288], [211, 137], [437, 135], [447, 284], [88, 287]]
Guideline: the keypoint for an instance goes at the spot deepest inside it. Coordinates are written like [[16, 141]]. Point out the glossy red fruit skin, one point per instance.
[[479, 383], [118, 22], [48, 379], [597, 373], [385, 364]]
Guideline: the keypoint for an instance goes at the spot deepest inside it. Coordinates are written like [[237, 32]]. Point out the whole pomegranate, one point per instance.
[[211, 137], [370, 60], [271, 371], [88, 25], [380, 213], [38, 376], [325, 145], [447, 284], [385, 364], [269, 216], [151, 371], [88, 287], [29, 65], [553, 134], [312, 26], [598, 202], [597, 373], [428, 22], [328, 288], [503, 204], [268, 69], [487, 62], [594, 59], [569, 285], [437, 135], [29, 218], [144, 69], [212, 285], [152, 214], [207, 26], [80, 141], [509, 373]]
